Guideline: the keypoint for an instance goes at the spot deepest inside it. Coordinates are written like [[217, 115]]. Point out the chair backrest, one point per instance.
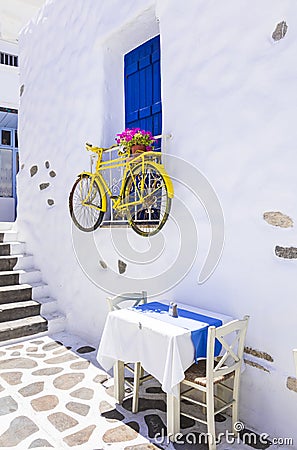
[[232, 337], [126, 300]]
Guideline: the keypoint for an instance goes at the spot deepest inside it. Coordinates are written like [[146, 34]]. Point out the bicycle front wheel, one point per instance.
[[149, 215], [84, 199]]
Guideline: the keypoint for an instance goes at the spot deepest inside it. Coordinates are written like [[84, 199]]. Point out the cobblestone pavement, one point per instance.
[[53, 394]]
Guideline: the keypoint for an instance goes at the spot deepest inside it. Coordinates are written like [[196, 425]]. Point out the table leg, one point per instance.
[[119, 381], [173, 415]]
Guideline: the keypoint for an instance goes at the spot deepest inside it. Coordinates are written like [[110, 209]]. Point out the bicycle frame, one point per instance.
[[129, 163]]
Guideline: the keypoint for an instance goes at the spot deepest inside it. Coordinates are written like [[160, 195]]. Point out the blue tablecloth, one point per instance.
[[199, 336]]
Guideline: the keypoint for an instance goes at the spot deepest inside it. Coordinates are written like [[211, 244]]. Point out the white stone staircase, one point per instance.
[[26, 307]]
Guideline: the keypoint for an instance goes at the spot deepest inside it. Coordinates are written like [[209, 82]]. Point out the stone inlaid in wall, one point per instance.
[[43, 186], [292, 384], [278, 219], [83, 393], [81, 437], [18, 363], [51, 346], [19, 429], [280, 31], [61, 350], [40, 443], [32, 389], [61, 359], [50, 201], [7, 405], [12, 378], [2, 354], [123, 433], [52, 173], [100, 378], [154, 390], [22, 88], [78, 408], [256, 365], [32, 349], [109, 412], [122, 266], [47, 164], [254, 439], [68, 380], [45, 403], [134, 425], [258, 354], [62, 421], [80, 365], [145, 403], [37, 355], [286, 252], [15, 347], [33, 170], [85, 349], [48, 371], [103, 264], [155, 425], [15, 354]]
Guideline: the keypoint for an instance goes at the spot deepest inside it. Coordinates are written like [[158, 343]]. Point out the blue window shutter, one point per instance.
[[143, 107]]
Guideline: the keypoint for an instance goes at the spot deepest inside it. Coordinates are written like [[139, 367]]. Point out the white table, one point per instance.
[[165, 350]]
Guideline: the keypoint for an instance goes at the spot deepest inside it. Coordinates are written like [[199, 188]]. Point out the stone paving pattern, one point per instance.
[[54, 394]]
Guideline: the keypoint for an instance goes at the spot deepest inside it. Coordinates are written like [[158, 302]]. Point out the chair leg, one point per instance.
[[119, 381], [210, 418], [235, 400], [141, 375], [173, 415], [137, 372]]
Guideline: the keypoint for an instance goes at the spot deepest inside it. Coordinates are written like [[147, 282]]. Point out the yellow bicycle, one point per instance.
[[145, 193]]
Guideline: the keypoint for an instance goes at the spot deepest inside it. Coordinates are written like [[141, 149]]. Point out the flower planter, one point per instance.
[[138, 149]]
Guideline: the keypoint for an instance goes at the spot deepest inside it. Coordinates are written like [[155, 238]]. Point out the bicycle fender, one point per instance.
[[101, 189], [167, 179]]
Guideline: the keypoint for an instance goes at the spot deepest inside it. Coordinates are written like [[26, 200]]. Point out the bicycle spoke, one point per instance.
[[84, 216]]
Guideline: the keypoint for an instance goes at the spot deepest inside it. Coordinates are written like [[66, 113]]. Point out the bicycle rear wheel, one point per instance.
[[85, 216], [148, 217]]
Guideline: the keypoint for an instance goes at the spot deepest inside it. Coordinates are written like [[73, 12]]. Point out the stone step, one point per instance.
[[12, 248], [28, 326], [10, 277], [15, 293], [8, 236], [21, 292], [16, 262], [19, 310]]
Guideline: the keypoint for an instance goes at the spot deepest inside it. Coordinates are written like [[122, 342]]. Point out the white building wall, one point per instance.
[[229, 99], [9, 78]]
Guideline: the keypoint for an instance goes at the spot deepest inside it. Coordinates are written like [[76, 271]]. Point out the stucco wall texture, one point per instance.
[[229, 98]]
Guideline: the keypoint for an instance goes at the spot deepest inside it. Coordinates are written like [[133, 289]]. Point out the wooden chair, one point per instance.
[[212, 372], [124, 301]]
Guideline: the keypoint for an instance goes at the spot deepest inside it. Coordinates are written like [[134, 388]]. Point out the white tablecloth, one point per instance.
[[165, 350]]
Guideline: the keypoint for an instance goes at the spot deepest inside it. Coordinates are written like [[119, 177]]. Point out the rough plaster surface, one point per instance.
[[229, 99]]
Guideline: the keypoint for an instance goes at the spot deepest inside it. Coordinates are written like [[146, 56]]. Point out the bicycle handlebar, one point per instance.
[[90, 147]]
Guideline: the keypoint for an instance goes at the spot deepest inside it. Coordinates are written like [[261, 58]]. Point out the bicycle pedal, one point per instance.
[[114, 197]]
